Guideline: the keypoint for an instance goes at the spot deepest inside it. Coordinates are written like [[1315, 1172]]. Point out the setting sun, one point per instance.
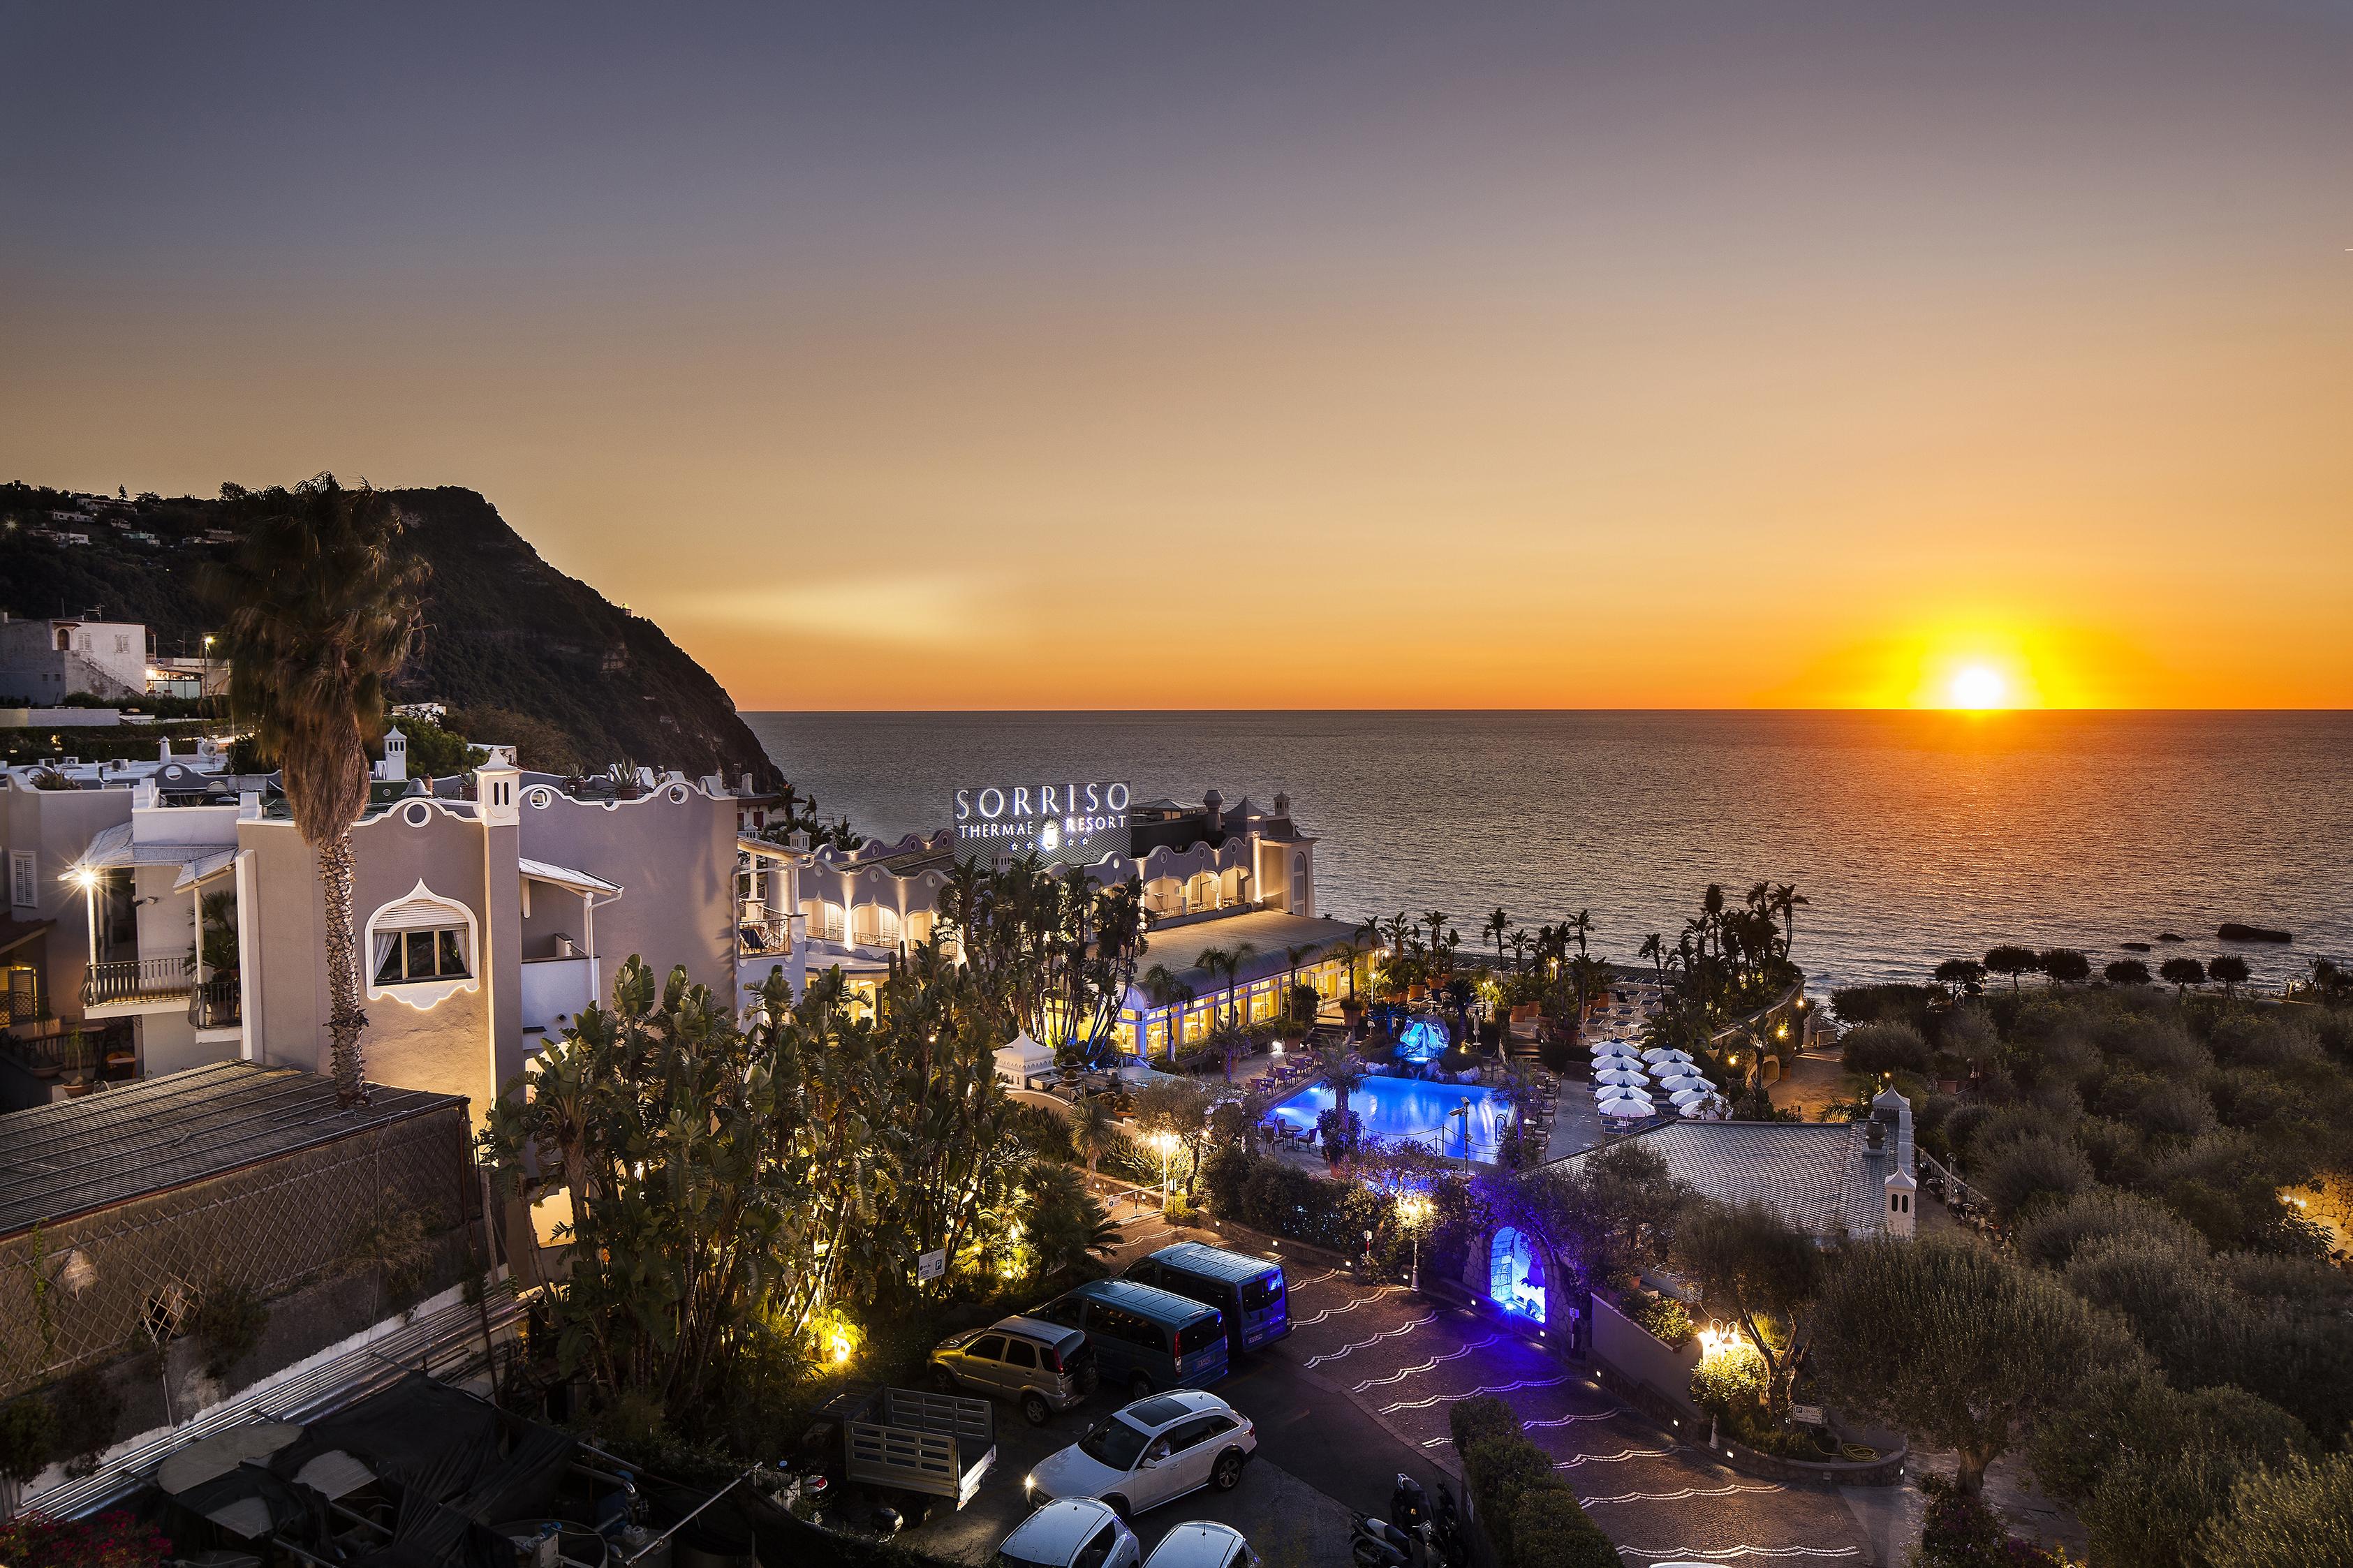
[[1978, 685]]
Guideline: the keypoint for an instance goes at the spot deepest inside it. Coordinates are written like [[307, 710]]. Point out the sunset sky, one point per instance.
[[1200, 355]]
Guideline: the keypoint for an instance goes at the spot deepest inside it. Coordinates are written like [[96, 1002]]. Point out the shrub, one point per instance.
[[1885, 1005], [229, 1318], [87, 1410], [29, 1435], [1876, 1048], [112, 1539], [2035, 1169], [1551, 1532], [1665, 1318], [1730, 1378], [2299, 1514], [2053, 1235]]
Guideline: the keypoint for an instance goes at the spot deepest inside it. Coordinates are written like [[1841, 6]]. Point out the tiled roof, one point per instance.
[[1822, 1176]]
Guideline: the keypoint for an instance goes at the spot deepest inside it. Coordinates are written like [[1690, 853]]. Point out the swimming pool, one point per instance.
[[1400, 1108]]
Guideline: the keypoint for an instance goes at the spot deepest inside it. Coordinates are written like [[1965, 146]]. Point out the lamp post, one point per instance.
[[1167, 1143], [1463, 1110], [1413, 1213]]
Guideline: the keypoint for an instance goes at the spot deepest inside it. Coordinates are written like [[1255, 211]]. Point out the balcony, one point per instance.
[[216, 1004], [765, 937], [137, 985]]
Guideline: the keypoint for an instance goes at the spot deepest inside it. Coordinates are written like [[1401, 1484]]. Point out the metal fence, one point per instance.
[[135, 980]]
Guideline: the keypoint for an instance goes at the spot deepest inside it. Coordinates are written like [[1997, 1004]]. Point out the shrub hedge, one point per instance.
[[1529, 1513]]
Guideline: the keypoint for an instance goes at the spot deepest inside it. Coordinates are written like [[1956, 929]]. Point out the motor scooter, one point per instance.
[[1392, 1542]]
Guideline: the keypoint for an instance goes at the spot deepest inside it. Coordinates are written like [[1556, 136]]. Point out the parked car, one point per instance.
[[1248, 1291], [1149, 1453], [1200, 1545], [1042, 1367], [1145, 1338], [1076, 1532]]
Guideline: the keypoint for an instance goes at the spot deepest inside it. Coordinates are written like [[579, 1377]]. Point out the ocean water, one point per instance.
[[1914, 836]]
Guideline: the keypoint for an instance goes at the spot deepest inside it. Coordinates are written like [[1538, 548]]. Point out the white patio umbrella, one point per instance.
[[1609, 1092], [1617, 1048], [1673, 1082], [1684, 1097], [1664, 1054], [1628, 1110], [1621, 1075]]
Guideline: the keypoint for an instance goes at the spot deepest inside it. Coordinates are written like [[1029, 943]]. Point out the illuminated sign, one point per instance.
[[1070, 824]]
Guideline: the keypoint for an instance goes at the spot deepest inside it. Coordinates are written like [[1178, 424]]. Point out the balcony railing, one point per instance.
[[22, 1007], [119, 979], [762, 937], [215, 1004]]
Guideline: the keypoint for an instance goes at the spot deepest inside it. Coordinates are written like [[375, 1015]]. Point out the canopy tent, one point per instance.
[[1022, 1059]]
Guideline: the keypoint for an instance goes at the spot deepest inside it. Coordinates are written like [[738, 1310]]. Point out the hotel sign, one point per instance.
[[1068, 824]]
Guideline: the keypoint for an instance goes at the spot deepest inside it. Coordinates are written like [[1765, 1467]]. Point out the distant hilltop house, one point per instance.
[[44, 660]]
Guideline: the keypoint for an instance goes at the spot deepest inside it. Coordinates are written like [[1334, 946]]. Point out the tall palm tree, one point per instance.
[[1347, 954], [1580, 926], [321, 603], [1094, 1129], [1436, 921], [1161, 988], [1654, 948], [1786, 899], [1496, 925]]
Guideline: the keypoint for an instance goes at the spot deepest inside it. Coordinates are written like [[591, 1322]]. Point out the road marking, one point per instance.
[[1473, 1393], [1317, 1279], [1620, 1457], [1572, 1420], [1735, 1487], [1425, 1366], [1360, 1344], [1152, 1235], [1729, 1553], [1334, 1311]]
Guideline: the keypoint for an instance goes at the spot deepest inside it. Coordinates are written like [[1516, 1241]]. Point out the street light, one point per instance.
[[1413, 1213], [1167, 1143]]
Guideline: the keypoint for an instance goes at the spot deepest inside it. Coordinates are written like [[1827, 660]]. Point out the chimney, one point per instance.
[[1282, 804], [1213, 806]]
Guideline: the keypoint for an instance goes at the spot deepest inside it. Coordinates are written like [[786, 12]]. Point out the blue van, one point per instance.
[[1145, 1339], [1248, 1291]]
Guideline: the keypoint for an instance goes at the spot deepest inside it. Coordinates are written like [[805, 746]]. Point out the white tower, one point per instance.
[[393, 769]]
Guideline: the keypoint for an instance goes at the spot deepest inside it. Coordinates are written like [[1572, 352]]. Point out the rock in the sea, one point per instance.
[[2136, 947], [2231, 931], [2172, 936]]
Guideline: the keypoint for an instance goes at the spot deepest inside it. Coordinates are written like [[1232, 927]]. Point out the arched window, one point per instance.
[[874, 925], [1516, 1274], [824, 917], [920, 924], [420, 949], [1202, 893], [1164, 896], [1299, 884]]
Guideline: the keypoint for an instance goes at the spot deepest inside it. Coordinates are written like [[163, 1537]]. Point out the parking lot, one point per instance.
[[1360, 1391]]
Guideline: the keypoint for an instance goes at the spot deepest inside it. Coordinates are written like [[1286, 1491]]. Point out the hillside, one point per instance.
[[504, 630]]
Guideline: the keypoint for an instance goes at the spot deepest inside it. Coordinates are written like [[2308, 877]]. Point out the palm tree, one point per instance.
[[1519, 949], [1580, 926], [321, 603], [1785, 898], [1342, 1071], [1161, 988], [1094, 1130], [1228, 962], [1347, 954], [1497, 924], [1654, 948]]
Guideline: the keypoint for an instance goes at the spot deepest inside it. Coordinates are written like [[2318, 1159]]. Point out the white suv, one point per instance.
[[1149, 1452]]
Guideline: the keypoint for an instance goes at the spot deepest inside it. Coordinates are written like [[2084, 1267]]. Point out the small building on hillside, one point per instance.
[[44, 660]]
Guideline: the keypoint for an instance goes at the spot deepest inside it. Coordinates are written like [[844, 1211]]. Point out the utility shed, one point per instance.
[[118, 1211]]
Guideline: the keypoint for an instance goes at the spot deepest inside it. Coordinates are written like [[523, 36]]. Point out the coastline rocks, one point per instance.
[[2231, 931], [2136, 947], [2172, 936]]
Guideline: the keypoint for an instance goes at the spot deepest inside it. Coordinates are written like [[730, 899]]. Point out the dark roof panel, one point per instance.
[[72, 1156]]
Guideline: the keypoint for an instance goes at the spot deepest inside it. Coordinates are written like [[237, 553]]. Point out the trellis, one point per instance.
[[89, 1289]]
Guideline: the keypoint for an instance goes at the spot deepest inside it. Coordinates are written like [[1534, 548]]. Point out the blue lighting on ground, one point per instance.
[[1403, 1108]]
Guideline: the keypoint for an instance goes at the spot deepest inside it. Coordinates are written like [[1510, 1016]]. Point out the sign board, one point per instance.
[[931, 1264], [1806, 1414], [1061, 824]]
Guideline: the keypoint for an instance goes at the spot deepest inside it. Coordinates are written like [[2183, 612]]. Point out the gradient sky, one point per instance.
[[1202, 356]]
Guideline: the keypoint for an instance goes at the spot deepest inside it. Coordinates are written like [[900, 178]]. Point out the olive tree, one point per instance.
[[1955, 1346], [1752, 1266]]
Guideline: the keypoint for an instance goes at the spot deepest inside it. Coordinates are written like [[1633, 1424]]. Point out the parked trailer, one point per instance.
[[912, 1440]]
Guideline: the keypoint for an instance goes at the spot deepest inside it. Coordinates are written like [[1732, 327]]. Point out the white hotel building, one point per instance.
[[1214, 875]]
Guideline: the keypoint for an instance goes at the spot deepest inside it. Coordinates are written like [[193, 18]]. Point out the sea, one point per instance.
[[1913, 836]]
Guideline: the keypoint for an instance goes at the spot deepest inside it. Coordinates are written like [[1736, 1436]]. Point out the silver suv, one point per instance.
[[1044, 1367]]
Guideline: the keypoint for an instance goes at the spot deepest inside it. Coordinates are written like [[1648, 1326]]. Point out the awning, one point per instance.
[[564, 877], [115, 846], [1023, 1058]]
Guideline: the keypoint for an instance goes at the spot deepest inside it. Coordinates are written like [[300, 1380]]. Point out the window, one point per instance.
[[988, 1347], [436, 953], [22, 890], [1194, 1433], [1262, 1292], [1067, 1311], [1200, 1335], [1020, 1353], [1097, 1551]]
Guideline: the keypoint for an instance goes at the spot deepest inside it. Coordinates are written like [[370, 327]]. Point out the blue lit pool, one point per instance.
[[1401, 1108]]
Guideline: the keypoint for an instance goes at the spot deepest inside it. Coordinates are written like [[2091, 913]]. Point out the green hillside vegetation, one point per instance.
[[525, 654]]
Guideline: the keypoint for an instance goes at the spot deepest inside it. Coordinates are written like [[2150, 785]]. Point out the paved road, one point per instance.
[[1360, 1391]]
